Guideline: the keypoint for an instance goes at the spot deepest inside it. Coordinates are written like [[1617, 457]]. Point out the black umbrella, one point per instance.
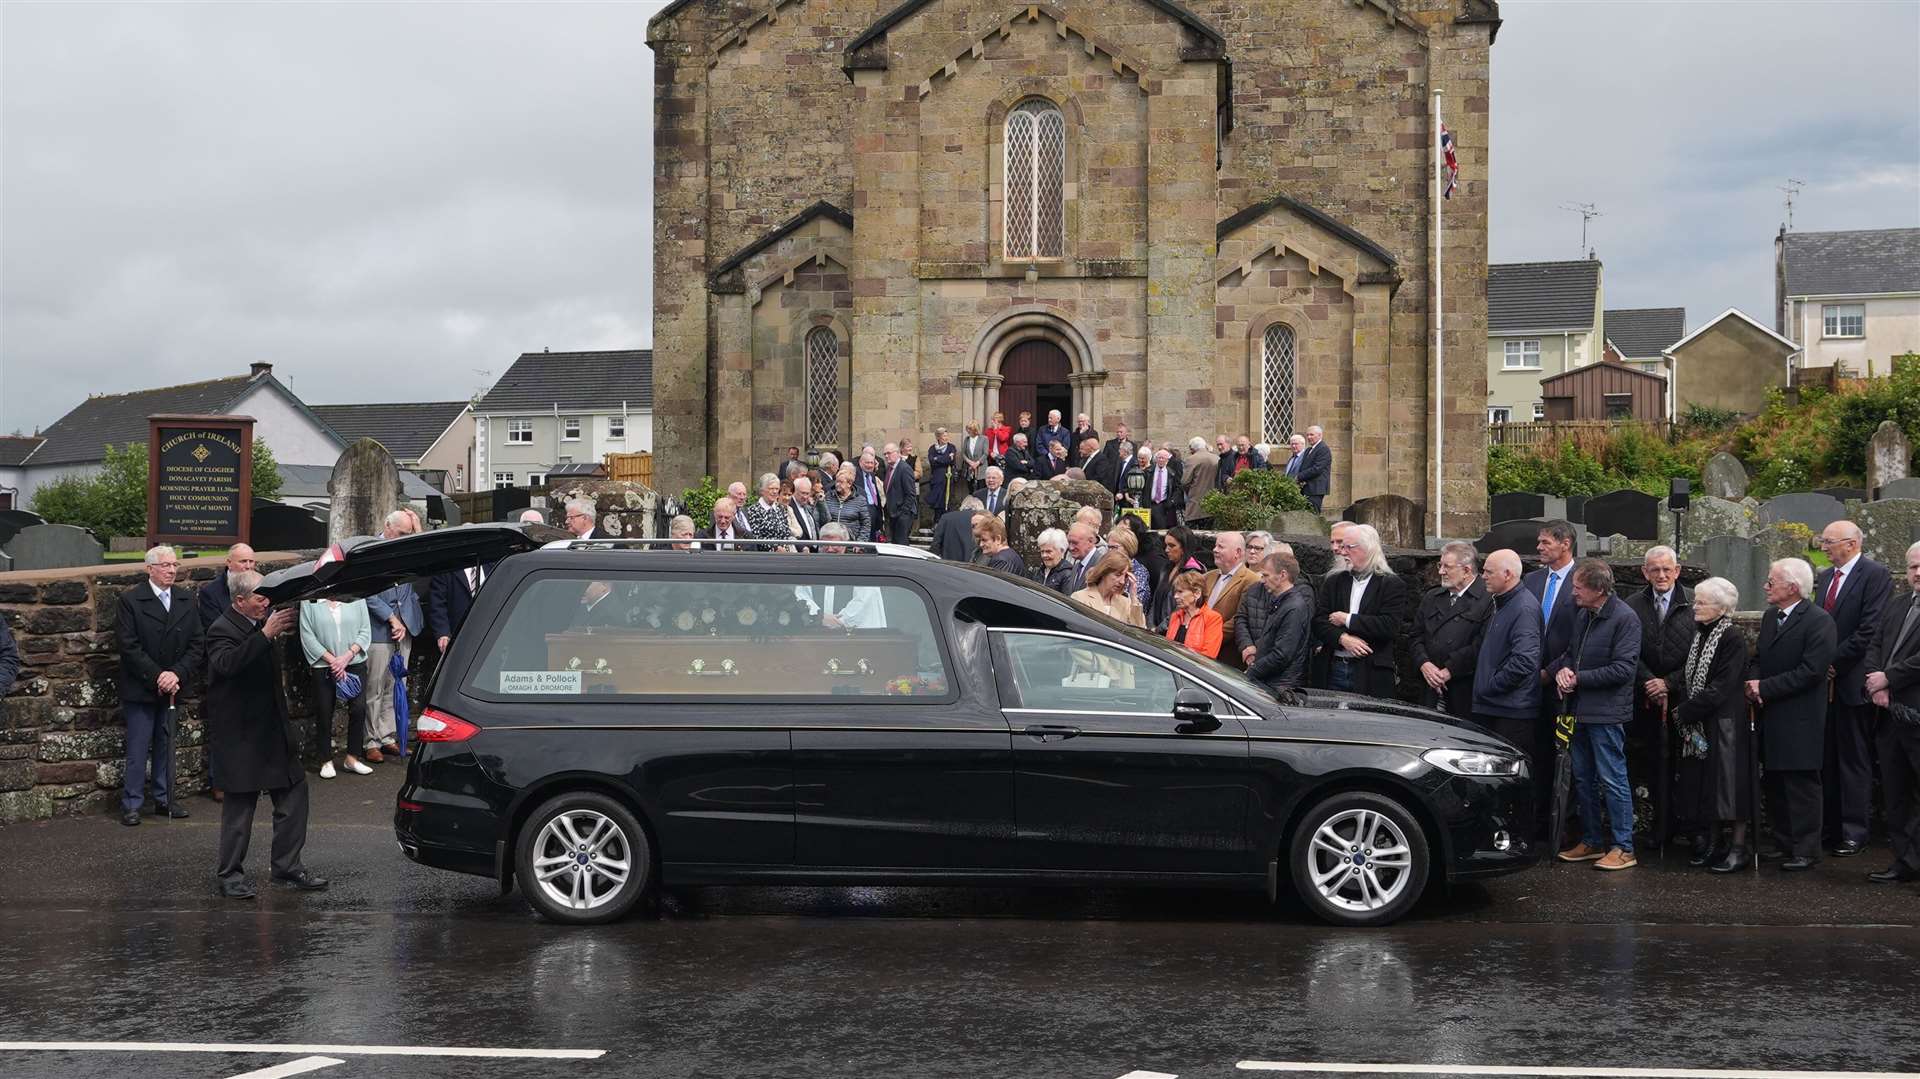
[[1562, 780]]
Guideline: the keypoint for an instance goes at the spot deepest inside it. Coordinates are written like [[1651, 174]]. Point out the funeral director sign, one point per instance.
[[199, 479]]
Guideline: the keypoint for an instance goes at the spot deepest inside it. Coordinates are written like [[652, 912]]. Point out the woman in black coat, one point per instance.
[[1709, 718], [945, 487]]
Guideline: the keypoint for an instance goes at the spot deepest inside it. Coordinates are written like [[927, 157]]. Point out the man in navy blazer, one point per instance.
[[1854, 591], [1594, 680], [450, 598], [1552, 586], [213, 598], [1316, 470]]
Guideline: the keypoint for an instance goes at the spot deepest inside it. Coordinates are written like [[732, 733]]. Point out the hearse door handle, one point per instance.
[[1047, 731]]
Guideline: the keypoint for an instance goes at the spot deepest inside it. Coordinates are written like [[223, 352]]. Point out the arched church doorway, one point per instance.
[[1034, 379]]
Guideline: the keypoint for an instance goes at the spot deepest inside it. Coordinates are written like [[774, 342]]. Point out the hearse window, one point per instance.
[[1075, 674], [574, 635]]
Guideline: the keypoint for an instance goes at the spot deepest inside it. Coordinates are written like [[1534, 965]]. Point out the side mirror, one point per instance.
[[1193, 712]]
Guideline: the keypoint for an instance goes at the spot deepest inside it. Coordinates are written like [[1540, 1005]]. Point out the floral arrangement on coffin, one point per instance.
[[918, 685]]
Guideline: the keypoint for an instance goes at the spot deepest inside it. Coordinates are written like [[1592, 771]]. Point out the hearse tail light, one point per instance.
[[437, 726], [1464, 762]]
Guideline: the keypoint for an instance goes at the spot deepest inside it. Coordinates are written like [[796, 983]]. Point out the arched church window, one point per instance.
[[1036, 181], [1278, 384], [823, 388]]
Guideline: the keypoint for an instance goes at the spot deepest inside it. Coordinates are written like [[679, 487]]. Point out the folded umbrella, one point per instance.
[[397, 665], [347, 686], [1562, 782]]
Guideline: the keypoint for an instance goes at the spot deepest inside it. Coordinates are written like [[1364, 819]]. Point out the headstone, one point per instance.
[[365, 488], [1709, 516], [1575, 511], [1889, 526], [621, 508], [1843, 494], [287, 528], [1741, 561], [1724, 476], [1040, 506], [1901, 488], [1633, 514], [1810, 508], [54, 547], [1779, 543], [1400, 520], [1518, 506], [1888, 455], [1298, 523], [1517, 536]]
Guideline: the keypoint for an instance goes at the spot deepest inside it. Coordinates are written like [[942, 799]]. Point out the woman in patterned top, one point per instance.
[[766, 517]]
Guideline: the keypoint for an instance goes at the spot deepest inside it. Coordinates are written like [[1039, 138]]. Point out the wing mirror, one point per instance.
[[1193, 712]]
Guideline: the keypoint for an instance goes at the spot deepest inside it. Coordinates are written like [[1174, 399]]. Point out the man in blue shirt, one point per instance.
[[397, 620]]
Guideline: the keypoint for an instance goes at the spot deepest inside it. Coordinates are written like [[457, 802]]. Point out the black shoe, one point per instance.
[[1894, 874], [131, 820], [302, 880], [1798, 865], [170, 811], [1704, 855], [1846, 848], [236, 889], [1768, 856], [1735, 860]]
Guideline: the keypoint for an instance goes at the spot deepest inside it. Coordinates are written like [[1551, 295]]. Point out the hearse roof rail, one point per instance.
[[742, 545]]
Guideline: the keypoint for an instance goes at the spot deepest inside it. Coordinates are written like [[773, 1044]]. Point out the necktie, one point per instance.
[[1553, 588], [1906, 628], [1159, 485], [1660, 607], [1293, 465], [166, 600], [1833, 591], [1454, 600]]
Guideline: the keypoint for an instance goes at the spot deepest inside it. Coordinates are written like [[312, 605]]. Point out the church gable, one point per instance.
[[870, 51], [1281, 226]]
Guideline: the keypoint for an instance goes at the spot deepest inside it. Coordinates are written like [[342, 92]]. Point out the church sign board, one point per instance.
[[199, 479]]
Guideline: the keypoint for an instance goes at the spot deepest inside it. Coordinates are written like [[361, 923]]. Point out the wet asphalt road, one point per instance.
[[114, 934]]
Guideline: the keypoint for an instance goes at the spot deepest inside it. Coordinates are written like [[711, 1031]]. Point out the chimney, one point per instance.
[[258, 369]]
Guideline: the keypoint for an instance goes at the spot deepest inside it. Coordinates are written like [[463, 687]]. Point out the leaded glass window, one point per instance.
[[1278, 379], [823, 388], [1036, 181]]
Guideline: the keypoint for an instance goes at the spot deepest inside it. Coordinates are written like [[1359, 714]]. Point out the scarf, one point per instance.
[[1693, 740]]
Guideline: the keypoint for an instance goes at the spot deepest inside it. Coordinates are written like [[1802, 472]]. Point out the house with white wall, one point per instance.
[[555, 408], [1849, 298], [1543, 319]]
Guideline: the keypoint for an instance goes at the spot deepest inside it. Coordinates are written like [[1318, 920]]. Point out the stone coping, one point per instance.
[[209, 563]]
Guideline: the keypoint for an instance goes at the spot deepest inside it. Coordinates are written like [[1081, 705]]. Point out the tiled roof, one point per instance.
[[81, 436], [1861, 263], [1526, 296], [15, 448], [573, 382], [310, 482], [1643, 332], [405, 428]]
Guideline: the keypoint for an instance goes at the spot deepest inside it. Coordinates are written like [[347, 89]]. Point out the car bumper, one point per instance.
[[1488, 825], [446, 816]]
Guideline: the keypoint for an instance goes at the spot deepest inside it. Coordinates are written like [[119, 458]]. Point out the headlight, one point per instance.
[[1466, 762]]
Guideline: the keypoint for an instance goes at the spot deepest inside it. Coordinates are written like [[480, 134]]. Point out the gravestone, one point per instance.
[[1633, 514], [1725, 477], [287, 528], [1040, 506], [1780, 544], [1889, 527], [1843, 494], [1299, 523], [1901, 488], [53, 547], [1741, 561], [621, 508], [1575, 511], [1810, 508], [1400, 520], [1888, 455], [365, 488], [1708, 516], [1518, 506], [1517, 536]]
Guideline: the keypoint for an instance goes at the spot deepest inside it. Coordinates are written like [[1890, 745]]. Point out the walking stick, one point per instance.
[[172, 721], [1753, 772], [1662, 788]]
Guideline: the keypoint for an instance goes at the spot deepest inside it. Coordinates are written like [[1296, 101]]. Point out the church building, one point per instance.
[[874, 218]]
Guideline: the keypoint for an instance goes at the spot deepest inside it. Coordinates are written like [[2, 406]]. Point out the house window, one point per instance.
[[570, 429], [1539, 411], [1619, 406], [535, 479], [823, 388], [1499, 414], [616, 428], [503, 479], [1278, 380], [1523, 356], [1844, 320], [1036, 144], [520, 431]]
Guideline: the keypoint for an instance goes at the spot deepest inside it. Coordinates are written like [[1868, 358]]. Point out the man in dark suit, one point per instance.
[[1665, 610], [806, 511], [1242, 458], [1103, 465], [726, 521], [791, 457], [1316, 471], [450, 598], [1280, 656], [1446, 631], [1551, 584], [1050, 432], [1787, 680], [1506, 673], [1019, 462], [1083, 430], [1855, 591], [159, 633], [903, 496], [1893, 678], [598, 608], [213, 599], [1122, 443], [1358, 613], [993, 496], [580, 518], [250, 746], [953, 532], [1165, 496]]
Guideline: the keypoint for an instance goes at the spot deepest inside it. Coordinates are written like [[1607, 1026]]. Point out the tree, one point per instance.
[[266, 472]]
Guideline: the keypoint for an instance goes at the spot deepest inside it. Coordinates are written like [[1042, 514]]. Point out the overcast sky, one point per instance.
[[391, 202]]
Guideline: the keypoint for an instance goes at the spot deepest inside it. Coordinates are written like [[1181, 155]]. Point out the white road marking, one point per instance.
[[1332, 1068], [291, 1067], [303, 1050], [1148, 1075]]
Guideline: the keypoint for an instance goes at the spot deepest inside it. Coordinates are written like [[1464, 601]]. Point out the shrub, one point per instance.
[[1697, 418], [1251, 500], [697, 502]]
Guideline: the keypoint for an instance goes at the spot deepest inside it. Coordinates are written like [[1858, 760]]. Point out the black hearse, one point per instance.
[[620, 715]]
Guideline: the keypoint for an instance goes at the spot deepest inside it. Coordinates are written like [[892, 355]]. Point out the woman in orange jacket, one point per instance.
[[1192, 623]]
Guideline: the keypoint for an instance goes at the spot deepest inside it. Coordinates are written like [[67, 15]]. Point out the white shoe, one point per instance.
[[353, 765], [326, 771]]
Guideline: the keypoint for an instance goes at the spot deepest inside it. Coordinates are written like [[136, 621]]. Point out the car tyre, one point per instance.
[[582, 858], [1359, 858]]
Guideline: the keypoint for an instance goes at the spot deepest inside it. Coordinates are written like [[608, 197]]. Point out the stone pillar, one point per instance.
[[1366, 474], [886, 231], [1181, 181], [680, 354], [730, 437], [365, 487]]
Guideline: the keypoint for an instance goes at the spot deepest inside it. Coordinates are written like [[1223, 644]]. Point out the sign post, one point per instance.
[[199, 479]]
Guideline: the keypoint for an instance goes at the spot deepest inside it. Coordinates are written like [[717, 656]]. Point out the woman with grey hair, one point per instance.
[[1055, 570], [766, 515], [680, 530], [1710, 720], [846, 503]]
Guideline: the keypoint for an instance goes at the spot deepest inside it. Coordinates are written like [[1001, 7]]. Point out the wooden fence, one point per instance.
[[630, 467], [1587, 435]]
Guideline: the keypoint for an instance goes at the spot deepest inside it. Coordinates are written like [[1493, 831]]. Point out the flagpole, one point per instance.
[[1439, 338]]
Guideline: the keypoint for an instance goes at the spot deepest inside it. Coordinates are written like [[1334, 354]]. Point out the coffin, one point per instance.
[[862, 663]]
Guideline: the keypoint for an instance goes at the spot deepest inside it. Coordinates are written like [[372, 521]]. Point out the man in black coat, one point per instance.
[[250, 746], [1787, 680], [158, 629], [450, 597], [1447, 629], [1316, 469], [1893, 679], [1665, 610], [1359, 610], [1165, 495], [213, 599], [9, 660], [903, 496], [1855, 591], [1280, 656], [806, 511], [953, 532], [1019, 462]]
